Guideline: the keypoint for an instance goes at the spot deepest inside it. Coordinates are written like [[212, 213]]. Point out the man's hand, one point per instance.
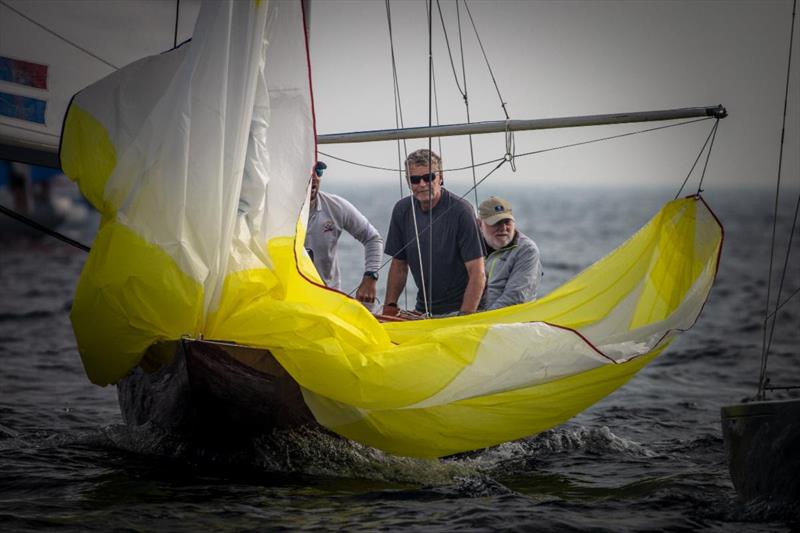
[[390, 310], [366, 291]]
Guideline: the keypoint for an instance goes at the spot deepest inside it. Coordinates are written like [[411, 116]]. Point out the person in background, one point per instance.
[[444, 255], [329, 214], [513, 267]]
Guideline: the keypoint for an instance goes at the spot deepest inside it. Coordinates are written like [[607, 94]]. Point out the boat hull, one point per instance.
[[212, 389], [762, 441]]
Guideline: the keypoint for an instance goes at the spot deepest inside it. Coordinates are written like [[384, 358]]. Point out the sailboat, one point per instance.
[[762, 434], [214, 322]]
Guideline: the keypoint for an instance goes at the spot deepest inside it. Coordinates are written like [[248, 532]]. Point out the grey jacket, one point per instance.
[[326, 220], [513, 273]]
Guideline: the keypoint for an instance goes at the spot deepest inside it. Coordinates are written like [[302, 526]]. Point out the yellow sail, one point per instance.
[[199, 160]]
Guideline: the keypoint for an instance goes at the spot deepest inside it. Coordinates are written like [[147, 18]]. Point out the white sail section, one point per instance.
[[198, 160]]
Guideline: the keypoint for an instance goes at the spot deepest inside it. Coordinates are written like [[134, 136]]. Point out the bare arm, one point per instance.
[[366, 290], [475, 285], [395, 283]]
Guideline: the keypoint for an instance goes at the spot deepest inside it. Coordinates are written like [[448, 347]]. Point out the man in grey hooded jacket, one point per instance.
[[513, 267]]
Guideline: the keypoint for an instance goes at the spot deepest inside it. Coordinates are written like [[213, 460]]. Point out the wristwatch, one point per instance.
[[371, 274]]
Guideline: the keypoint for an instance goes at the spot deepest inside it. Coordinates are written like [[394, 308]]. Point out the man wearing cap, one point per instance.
[[329, 214], [513, 267], [434, 234]]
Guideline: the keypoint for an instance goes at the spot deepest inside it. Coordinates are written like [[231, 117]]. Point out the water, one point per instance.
[[649, 457]]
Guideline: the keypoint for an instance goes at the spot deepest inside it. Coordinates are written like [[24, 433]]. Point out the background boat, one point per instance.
[[762, 434]]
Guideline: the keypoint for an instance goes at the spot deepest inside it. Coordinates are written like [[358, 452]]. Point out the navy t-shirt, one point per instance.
[[456, 240]]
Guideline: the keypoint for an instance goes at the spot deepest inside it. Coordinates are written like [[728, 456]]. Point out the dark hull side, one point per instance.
[[213, 389], [762, 440]]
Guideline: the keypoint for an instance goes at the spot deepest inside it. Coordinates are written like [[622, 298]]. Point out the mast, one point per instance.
[[499, 126]]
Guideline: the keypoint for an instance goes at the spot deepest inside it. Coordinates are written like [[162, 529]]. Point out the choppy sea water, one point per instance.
[[650, 457]]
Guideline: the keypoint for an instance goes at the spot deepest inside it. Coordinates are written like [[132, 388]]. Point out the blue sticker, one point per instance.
[[22, 107]]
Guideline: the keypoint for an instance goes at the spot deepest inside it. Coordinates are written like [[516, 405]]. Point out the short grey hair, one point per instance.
[[424, 157]]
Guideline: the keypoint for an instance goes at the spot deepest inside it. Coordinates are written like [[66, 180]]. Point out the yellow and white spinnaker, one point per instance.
[[170, 146]]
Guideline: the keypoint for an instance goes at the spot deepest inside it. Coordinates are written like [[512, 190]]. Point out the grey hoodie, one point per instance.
[[512, 273]]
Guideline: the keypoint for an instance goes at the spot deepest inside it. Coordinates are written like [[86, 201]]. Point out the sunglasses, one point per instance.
[[427, 178]]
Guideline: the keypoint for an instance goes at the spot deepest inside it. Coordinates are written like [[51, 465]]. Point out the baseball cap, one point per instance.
[[494, 209]]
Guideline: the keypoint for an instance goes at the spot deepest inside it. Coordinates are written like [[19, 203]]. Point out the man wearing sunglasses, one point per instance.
[[329, 214], [434, 234]]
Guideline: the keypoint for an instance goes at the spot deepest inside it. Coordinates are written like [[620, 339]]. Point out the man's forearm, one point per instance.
[[396, 282], [475, 285]]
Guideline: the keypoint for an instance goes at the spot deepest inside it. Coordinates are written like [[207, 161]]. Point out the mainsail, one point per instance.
[[199, 161]]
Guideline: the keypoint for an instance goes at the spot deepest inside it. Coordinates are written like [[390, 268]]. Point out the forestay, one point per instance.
[[162, 148]]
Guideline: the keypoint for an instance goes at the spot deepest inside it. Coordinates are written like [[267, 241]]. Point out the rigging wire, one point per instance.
[[44, 229], [466, 106], [462, 85], [486, 58], [767, 338], [436, 108], [478, 234], [786, 301], [785, 269], [177, 18], [465, 98], [398, 118], [714, 129], [430, 160], [699, 155], [59, 36]]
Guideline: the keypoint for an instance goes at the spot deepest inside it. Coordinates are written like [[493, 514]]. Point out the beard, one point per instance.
[[498, 242]]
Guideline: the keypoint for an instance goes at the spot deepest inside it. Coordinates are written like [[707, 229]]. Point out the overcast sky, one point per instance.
[[563, 58]]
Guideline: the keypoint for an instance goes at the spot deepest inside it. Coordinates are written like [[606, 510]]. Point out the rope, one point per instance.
[[767, 339], [699, 155], [44, 229], [486, 58], [511, 148], [449, 51], [54, 34]]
